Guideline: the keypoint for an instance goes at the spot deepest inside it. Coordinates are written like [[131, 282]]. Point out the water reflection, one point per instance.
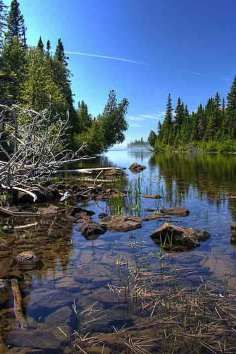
[[76, 272]]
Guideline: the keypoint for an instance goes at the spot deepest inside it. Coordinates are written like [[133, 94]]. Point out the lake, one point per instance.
[[98, 285]]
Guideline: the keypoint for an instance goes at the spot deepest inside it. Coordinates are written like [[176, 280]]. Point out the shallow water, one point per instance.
[[79, 273]]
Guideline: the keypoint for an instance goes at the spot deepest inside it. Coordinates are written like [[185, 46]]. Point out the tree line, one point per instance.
[[212, 127], [39, 78]]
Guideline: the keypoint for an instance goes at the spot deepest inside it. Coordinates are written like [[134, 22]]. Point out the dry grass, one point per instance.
[[167, 320]]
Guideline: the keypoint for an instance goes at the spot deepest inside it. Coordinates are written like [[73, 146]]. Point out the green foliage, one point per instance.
[[211, 128], [104, 131], [113, 120], [15, 24], [84, 119], [37, 79], [13, 64], [152, 138], [2, 22], [93, 138], [39, 90]]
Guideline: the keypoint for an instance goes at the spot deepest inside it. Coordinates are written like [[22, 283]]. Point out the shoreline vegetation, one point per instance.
[[38, 78], [211, 128]]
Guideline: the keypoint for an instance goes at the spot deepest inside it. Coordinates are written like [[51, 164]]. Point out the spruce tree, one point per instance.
[[62, 75], [113, 120], [152, 138], [231, 110], [48, 48], [2, 22], [84, 118], [167, 132], [40, 45], [39, 90], [15, 24]]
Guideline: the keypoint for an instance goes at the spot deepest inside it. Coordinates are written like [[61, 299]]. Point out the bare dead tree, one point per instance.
[[37, 146]]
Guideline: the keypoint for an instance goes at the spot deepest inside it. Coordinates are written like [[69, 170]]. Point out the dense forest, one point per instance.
[[37, 78], [211, 127], [138, 143]]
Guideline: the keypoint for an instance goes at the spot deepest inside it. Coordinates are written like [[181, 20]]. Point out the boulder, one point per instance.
[[27, 260], [89, 228], [136, 168], [175, 238], [122, 223], [175, 211]]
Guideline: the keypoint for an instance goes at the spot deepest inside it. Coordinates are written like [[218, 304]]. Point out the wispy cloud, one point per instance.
[[107, 57], [135, 125], [143, 117]]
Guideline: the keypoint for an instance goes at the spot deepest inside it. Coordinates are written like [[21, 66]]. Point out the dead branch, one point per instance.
[[38, 147], [18, 304]]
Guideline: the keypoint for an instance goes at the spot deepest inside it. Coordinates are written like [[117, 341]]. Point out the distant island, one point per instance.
[[138, 143], [211, 128]]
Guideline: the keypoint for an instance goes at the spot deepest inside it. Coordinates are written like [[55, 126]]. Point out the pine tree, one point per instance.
[[2, 22], [62, 74], [84, 118], [152, 138], [113, 120], [15, 24], [39, 90], [40, 45], [231, 110], [48, 48], [167, 131]]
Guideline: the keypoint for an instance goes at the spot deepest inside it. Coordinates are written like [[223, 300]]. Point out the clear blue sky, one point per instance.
[[184, 47]]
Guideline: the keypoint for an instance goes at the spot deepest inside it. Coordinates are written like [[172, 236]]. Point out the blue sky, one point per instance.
[[142, 49]]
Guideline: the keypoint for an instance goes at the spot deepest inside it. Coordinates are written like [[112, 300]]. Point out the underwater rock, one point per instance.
[[102, 215], [4, 293], [27, 260], [136, 168], [152, 196], [175, 238], [49, 299], [60, 317], [35, 338], [90, 228], [155, 216], [122, 223], [78, 211], [233, 233], [175, 211]]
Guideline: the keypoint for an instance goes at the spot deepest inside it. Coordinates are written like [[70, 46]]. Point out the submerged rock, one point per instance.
[[136, 168], [233, 233], [122, 223], [27, 260], [89, 228], [155, 216], [175, 211], [176, 238], [152, 196]]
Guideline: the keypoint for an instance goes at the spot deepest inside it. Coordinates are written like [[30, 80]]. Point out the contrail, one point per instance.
[[125, 60]]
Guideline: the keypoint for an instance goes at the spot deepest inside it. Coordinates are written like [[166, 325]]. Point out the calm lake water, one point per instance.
[[78, 273]]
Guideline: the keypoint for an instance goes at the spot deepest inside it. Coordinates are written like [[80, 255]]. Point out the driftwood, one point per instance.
[[18, 304], [38, 148], [8, 212], [27, 226]]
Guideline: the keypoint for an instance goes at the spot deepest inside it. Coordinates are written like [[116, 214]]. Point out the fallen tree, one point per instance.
[[32, 150]]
